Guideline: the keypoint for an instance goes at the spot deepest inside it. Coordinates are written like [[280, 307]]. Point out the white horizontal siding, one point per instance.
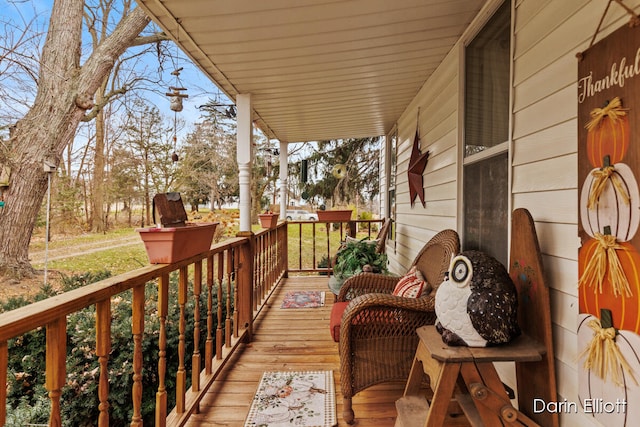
[[559, 206], [549, 111], [552, 174], [561, 241], [545, 144]]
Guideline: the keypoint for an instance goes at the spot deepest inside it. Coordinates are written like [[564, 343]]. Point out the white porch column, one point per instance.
[[284, 178], [245, 157]]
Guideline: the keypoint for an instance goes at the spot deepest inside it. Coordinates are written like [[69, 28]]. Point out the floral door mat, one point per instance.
[[294, 399], [303, 299]]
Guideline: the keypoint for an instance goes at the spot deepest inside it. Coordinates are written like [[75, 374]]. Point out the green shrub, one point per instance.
[[323, 263], [26, 396]]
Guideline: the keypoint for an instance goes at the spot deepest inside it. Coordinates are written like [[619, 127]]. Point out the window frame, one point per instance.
[[500, 148], [391, 154]]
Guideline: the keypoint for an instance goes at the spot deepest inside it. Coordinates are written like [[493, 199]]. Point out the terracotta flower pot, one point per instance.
[[334, 215], [172, 244], [268, 220]]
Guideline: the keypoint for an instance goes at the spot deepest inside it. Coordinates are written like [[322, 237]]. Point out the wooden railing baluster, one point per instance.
[[219, 330], [181, 375], [266, 274], [163, 311], [56, 366], [300, 246], [227, 326], [208, 346], [137, 329], [284, 250], [195, 358], [327, 226], [274, 258], [259, 266], [234, 305], [103, 349], [313, 233], [4, 362], [264, 248]]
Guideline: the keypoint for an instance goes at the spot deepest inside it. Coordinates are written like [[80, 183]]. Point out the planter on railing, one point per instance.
[[334, 215], [268, 220], [166, 245]]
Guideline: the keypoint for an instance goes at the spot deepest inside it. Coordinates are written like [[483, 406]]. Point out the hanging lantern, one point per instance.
[[176, 104], [176, 98]]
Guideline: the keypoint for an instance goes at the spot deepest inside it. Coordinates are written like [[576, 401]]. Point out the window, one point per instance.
[[486, 140]]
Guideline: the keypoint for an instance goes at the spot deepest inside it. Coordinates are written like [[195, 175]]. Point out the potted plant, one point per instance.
[[356, 257], [268, 219], [338, 215], [174, 238]]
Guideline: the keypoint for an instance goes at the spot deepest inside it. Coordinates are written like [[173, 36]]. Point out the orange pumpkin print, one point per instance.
[[625, 308], [610, 137]]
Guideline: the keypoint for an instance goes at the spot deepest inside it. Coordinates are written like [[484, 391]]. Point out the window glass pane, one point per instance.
[[487, 60], [486, 203]]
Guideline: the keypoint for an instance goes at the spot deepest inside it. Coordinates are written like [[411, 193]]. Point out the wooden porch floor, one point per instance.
[[290, 339]]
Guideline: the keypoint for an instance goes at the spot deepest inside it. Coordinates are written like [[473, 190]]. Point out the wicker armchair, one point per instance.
[[378, 336]]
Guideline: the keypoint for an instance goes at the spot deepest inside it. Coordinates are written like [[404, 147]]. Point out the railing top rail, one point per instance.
[[266, 230], [24, 319]]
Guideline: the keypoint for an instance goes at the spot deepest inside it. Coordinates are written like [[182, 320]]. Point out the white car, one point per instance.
[[301, 215]]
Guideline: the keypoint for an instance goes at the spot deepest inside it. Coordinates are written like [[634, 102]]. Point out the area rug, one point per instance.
[[294, 399], [303, 299]]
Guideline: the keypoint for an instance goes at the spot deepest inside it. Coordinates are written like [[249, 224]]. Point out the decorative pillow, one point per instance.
[[411, 285]]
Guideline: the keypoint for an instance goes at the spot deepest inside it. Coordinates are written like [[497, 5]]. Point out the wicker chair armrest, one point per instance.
[[366, 283], [375, 312]]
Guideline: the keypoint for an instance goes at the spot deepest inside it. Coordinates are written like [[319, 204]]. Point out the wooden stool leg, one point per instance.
[[415, 376], [442, 395], [490, 397]]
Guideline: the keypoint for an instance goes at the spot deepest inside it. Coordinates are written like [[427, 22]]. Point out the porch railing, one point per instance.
[[313, 244], [240, 273]]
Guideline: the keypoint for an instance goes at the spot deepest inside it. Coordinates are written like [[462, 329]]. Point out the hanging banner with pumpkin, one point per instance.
[[609, 218]]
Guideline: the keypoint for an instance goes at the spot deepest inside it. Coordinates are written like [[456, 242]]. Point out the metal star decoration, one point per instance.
[[417, 163]]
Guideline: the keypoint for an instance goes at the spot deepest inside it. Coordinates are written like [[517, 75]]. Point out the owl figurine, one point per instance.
[[477, 305]]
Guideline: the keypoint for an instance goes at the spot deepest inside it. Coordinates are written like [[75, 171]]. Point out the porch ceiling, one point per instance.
[[317, 69]]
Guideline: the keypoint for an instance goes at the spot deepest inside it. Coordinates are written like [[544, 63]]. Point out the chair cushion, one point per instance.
[[336, 317], [412, 284]]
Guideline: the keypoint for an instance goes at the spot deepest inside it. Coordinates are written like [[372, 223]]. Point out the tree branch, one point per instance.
[[154, 38], [106, 98]]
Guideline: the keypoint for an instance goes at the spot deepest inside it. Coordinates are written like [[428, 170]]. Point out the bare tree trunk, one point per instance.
[[64, 93], [130, 217], [97, 195]]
